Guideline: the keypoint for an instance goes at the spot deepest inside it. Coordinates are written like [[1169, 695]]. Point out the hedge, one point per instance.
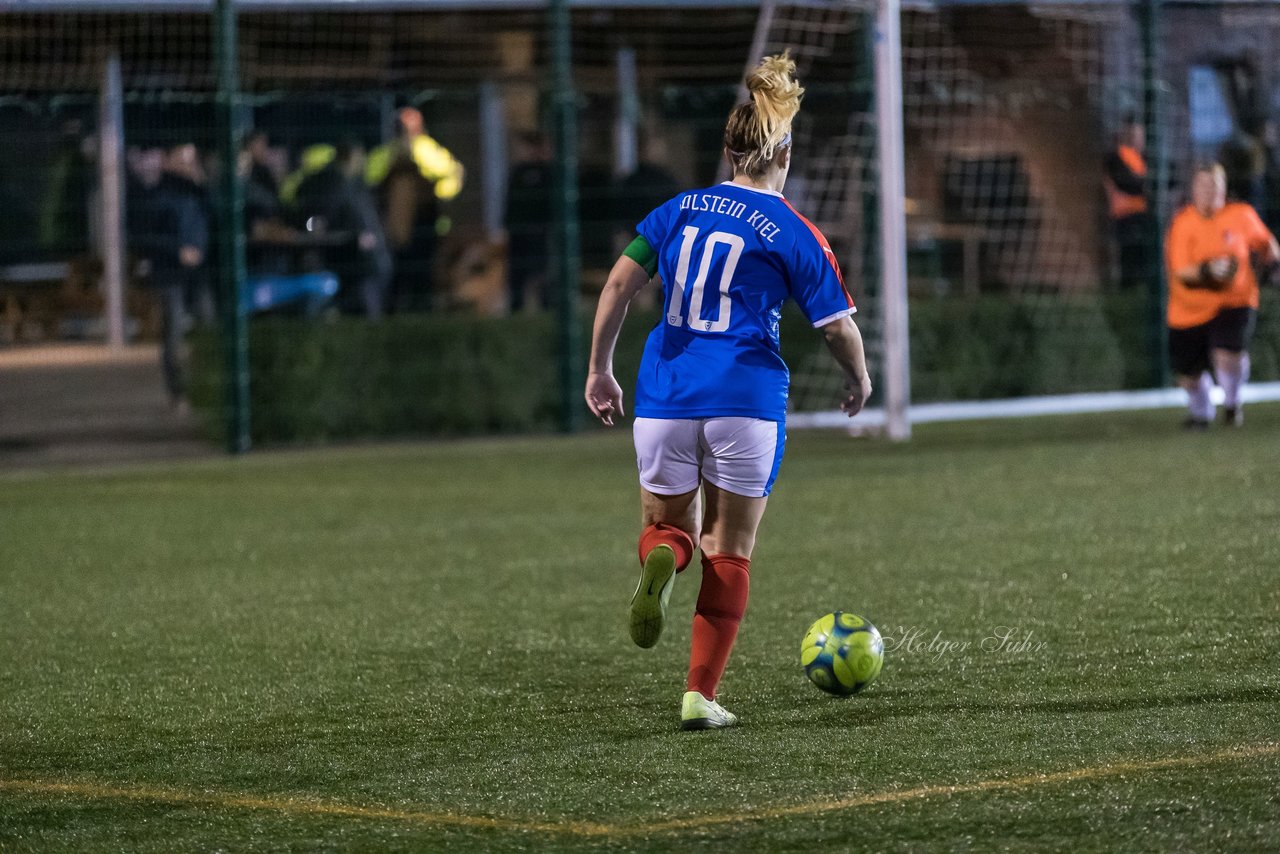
[[441, 375], [452, 375]]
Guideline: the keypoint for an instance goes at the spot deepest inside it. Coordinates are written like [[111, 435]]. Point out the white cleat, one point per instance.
[[697, 712]]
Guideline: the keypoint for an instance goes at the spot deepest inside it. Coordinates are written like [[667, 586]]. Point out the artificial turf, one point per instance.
[[386, 648]]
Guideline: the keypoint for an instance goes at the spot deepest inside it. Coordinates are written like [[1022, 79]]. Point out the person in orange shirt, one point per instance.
[[1213, 294], [1132, 224]]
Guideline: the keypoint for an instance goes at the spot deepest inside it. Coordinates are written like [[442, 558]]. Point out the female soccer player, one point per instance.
[[1213, 294], [711, 399]]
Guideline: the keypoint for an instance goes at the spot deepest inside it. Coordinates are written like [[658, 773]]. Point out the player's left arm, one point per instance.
[[1268, 257], [1262, 243], [1271, 252], [629, 275], [1263, 250]]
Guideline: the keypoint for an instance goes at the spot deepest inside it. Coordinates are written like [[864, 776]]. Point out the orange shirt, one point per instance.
[[1235, 230], [1119, 203]]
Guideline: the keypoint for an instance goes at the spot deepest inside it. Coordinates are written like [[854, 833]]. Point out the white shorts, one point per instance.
[[739, 455]]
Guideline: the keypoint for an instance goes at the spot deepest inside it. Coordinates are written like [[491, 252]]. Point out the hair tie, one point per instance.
[[785, 142]]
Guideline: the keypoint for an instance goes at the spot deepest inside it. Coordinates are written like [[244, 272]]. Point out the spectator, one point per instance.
[[1271, 179], [413, 175], [332, 200], [648, 186], [1244, 159], [64, 213], [262, 163], [175, 213], [528, 218], [1132, 224], [268, 235], [145, 169]]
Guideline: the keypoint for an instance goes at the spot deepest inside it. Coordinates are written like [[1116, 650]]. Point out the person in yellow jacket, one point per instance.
[[413, 174]]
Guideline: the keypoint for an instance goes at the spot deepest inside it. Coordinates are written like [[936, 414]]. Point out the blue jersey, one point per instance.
[[729, 257]]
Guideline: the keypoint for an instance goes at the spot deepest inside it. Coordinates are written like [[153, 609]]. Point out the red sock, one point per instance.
[[721, 603], [662, 534]]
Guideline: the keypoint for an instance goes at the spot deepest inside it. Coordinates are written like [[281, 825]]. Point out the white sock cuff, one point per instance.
[[1200, 401], [1232, 379]]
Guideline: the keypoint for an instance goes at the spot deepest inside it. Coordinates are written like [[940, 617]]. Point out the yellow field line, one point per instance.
[[299, 806], [1096, 772], [293, 806]]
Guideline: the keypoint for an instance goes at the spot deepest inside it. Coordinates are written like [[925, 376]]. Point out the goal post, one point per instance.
[[896, 376]]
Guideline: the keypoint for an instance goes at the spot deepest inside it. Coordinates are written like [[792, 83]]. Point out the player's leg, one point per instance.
[[1229, 336], [667, 542], [172, 336], [731, 522], [667, 456], [1189, 360], [664, 512], [1232, 370], [741, 461], [1200, 408]]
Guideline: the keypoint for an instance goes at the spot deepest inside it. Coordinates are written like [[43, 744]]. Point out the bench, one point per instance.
[[25, 295]]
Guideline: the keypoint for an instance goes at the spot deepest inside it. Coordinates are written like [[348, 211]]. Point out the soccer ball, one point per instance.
[[842, 653]]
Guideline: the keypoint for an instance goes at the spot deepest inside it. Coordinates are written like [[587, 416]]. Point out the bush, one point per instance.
[[994, 347], [408, 376], [452, 375], [1264, 353]]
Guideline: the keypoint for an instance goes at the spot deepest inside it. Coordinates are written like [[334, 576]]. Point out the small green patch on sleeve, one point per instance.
[[643, 254]]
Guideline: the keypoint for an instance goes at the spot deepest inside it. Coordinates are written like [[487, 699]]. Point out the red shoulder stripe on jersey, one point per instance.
[[826, 248]]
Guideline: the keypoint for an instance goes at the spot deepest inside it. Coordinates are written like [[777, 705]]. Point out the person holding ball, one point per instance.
[[1213, 295]]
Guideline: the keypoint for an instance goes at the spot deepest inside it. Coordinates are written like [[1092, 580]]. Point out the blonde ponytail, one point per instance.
[[757, 129]]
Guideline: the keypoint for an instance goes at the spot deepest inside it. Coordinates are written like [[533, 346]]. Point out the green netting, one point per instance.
[[1010, 114]]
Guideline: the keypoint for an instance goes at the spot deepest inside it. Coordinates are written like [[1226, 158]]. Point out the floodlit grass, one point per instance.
[[387, 647]]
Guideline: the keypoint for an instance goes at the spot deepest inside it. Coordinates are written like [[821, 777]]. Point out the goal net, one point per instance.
[[1019, 286], [1021, 283]]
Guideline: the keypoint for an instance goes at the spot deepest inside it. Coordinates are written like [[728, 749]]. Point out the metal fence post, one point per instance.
[[565, 212], [111, 203], [231, 249], [1149, 22]]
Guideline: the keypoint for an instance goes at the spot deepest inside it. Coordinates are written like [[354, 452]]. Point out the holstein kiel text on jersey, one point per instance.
[[712, 203]]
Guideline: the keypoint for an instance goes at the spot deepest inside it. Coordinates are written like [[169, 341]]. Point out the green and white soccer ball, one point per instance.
[[842, 653]]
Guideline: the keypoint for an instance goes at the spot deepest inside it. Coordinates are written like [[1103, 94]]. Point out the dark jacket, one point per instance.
[[529, 207], [1125, 179], [165, 218], [342, 206]]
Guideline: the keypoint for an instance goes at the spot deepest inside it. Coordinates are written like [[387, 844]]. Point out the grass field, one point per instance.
[[424, 646]]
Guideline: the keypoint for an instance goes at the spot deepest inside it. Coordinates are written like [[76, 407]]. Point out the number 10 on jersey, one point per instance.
[[675, 315]]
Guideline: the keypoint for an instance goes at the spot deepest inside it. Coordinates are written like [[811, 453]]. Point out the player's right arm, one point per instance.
[[1177, 252], [845, 343], [631, 273]]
